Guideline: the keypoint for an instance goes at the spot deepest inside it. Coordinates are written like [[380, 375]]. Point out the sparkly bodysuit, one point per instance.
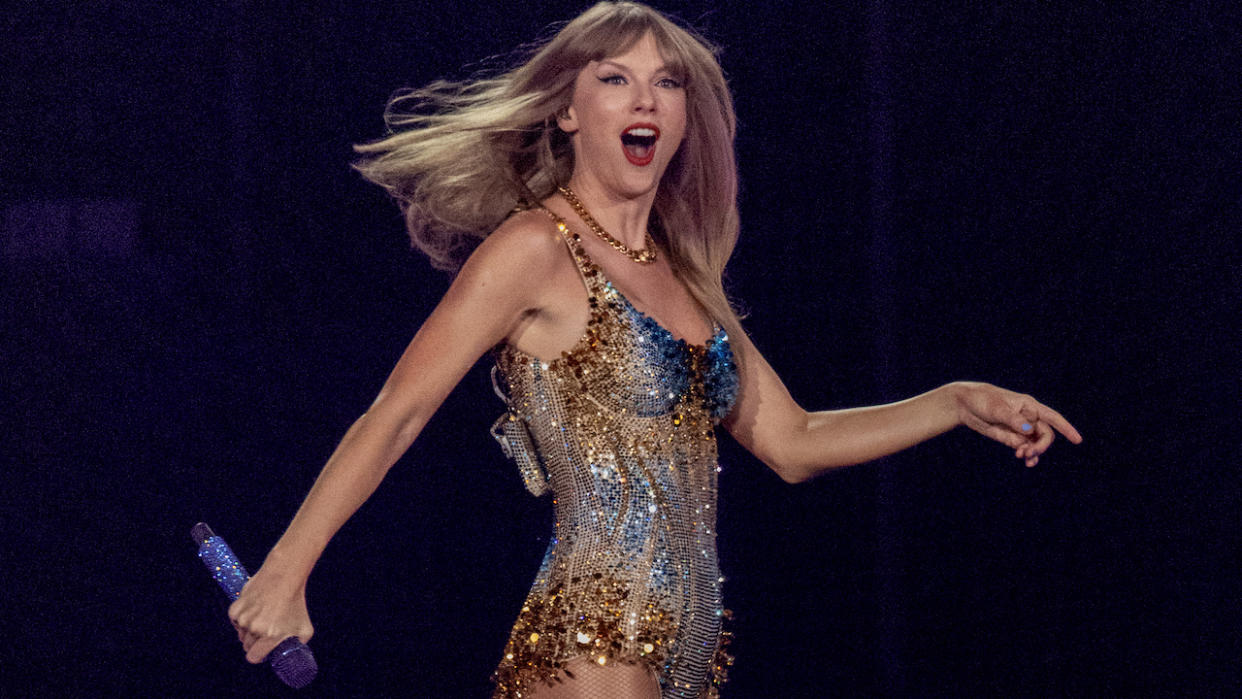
[[620, 429]]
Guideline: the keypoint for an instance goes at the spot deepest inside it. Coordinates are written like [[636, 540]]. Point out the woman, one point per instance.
[[614, 141]]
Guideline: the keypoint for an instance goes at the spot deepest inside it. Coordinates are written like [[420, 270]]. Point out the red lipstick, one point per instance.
[[638, 142]]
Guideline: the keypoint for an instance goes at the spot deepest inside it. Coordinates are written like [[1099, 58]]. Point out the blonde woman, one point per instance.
[[594, 189]]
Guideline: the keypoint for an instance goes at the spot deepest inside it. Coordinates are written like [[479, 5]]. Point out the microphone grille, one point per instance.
[[293, 663], [201, 532]]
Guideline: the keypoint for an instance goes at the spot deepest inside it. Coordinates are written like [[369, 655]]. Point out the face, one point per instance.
[[626, 120]]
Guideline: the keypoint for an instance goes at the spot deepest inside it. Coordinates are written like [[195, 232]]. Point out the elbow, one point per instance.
[[802, 468], [788, 457], [787, 469], [792, 476], [784, 451]]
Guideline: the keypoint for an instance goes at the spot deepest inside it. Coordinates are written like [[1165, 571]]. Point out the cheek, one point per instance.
[[594, 112], [680, 122], [677, 110]]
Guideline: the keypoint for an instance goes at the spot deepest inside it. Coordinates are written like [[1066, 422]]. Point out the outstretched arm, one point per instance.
[[494, 293], [799, 445]]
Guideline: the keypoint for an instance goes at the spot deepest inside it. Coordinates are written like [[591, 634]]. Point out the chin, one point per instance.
[[636, 184]]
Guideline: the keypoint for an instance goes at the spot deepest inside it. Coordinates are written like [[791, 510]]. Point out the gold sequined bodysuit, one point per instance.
[[620, 429]]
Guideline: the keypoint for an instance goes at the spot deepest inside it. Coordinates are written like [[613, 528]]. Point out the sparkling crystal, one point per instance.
[[620, 428]]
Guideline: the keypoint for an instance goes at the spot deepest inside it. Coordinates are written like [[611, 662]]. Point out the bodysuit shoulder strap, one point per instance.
[[590, 274]]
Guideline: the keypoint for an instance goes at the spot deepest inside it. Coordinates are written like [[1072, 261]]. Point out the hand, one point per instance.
[[1014, 419], [268, 611]]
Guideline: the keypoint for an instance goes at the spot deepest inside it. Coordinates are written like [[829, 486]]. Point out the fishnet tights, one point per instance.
[[583, 679]]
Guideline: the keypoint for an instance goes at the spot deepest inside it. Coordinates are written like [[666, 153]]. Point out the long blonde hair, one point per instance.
[[460, 156]]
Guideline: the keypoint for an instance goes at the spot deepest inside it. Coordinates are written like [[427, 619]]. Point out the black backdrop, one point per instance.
[[199, 297]]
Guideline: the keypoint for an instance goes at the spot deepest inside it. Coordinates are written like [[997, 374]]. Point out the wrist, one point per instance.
[[285, 569], [954, 401]]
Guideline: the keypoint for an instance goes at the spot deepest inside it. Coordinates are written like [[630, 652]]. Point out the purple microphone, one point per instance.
[[292, 661]]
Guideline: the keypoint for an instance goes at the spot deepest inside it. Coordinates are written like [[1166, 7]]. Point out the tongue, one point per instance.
[[638, 150]]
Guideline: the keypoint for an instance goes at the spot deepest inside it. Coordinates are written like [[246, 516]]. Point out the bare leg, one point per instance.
[[582, 678]]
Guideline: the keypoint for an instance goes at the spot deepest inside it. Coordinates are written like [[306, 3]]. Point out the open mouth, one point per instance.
[[638, 142]]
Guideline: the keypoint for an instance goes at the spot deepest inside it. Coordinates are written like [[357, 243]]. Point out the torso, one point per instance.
[[619, 427]]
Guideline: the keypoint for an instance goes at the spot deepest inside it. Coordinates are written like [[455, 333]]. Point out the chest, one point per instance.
[[634, 365], [657, 292]]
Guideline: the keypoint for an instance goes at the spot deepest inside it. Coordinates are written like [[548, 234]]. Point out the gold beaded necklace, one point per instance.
[[642, 257]]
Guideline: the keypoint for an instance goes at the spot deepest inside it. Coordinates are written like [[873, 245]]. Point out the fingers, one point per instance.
[[259, 637], [1058, 422], [1016, 420], [258, 645], [253, 642], [1041, 437], [257, 649], [233, 619], [1035, 411], [1044, 423], [1021, 419], [1002, 434]]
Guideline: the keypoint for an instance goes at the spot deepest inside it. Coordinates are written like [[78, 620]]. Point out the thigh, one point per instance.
[[582, 678]]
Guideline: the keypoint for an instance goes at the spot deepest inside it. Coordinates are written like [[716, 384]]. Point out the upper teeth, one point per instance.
[[641, 132]]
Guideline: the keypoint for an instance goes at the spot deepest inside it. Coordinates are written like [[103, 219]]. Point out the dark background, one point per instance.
[[199, 296]]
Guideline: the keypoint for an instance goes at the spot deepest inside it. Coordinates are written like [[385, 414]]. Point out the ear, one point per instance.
[[567, 120]]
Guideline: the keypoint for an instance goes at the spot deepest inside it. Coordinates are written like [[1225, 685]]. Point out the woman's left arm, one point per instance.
[[799, 445]]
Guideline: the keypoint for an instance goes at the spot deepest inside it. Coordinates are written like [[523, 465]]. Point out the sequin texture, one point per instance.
[[621, 430]]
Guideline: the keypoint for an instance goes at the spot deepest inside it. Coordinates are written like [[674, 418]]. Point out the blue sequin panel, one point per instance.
[[720, 377], [668, 365], [663, 376]]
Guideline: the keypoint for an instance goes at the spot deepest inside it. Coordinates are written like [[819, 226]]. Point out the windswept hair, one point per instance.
[[461, 156]]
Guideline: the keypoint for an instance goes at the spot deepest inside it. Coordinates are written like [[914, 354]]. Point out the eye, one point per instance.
[[613, 79], [671, 83]]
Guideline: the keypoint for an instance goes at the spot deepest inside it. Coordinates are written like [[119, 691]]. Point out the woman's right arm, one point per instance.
[[496, 291]]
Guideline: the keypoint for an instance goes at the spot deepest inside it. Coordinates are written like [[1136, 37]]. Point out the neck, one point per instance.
[[624, 218]]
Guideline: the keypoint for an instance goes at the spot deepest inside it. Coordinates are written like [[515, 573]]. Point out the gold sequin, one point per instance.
[[620, 430]]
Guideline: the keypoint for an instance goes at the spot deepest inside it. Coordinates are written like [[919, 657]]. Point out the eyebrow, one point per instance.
[[663, 67]]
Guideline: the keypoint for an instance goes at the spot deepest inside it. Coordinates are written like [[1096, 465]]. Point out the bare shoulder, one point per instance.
[[525, 261], [526, 243]]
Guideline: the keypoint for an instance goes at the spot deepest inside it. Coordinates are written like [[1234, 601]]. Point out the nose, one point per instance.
[[644, 98]]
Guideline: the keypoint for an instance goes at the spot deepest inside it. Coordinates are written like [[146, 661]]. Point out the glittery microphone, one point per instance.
[[292, 661]]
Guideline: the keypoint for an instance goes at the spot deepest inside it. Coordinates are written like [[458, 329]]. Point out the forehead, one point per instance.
[[643, 51]]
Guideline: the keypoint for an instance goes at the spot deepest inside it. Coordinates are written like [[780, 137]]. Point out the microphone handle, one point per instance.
[[292, 660], [223, 565]]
